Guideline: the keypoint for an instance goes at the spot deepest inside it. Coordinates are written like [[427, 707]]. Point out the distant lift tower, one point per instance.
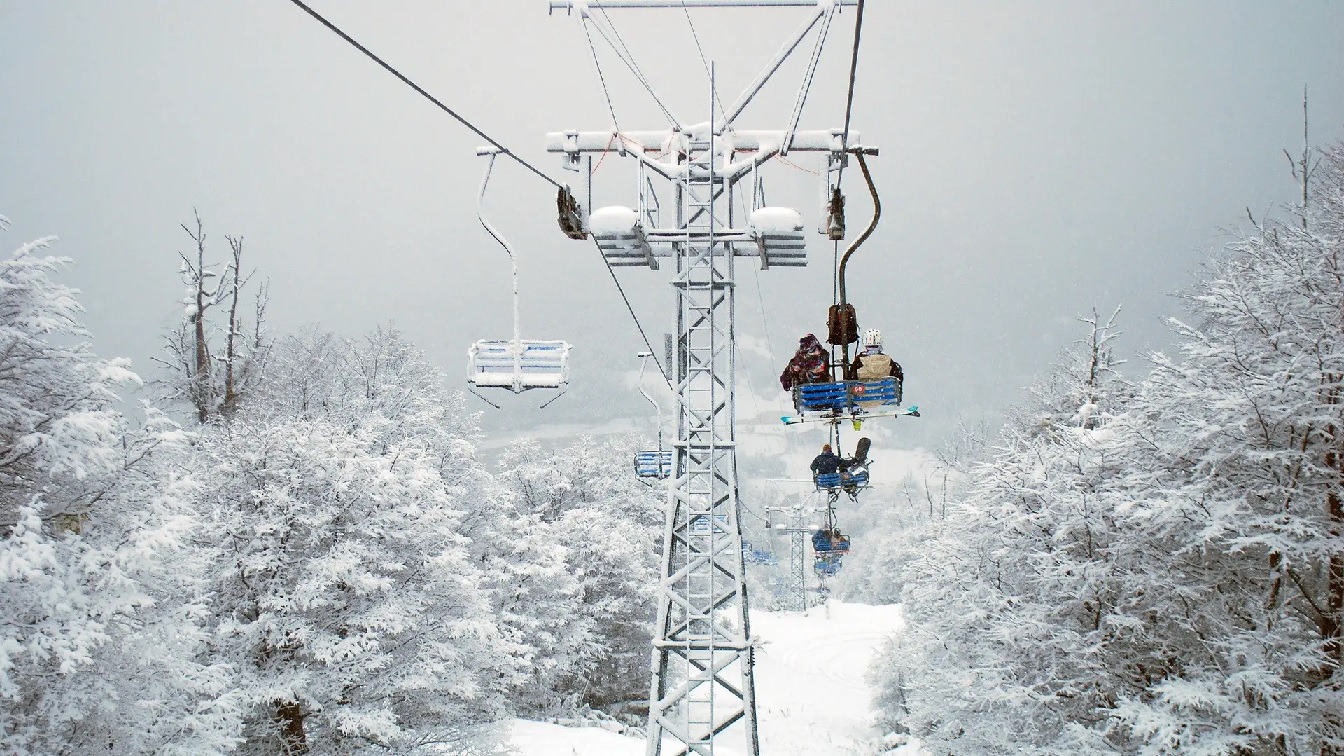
[[702, 646]]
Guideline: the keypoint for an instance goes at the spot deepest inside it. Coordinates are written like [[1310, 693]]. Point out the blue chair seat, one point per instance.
[[847, 396], [828, 480], [653, 464]]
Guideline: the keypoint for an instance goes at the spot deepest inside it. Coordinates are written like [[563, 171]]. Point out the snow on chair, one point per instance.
[[620, 235], [514, 364], [519, 365], [778, 232]]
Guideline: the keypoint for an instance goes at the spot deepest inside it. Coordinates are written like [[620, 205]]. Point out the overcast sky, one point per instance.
[[1037, 159]]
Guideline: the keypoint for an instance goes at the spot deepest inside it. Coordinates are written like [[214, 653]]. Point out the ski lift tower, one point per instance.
[[702, 680], [798, 531]]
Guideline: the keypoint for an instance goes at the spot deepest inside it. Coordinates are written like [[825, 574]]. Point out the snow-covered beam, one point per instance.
[[570, 5], [656, 141]]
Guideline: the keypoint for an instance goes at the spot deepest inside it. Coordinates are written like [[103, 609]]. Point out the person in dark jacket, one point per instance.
[[826, 462], [810, 364]]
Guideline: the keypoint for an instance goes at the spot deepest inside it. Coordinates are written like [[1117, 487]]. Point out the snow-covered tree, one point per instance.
[[346, 594], [1009, 603], [98, 633], [214, 367], [1243, 520], [589, 634], [1160, 573]]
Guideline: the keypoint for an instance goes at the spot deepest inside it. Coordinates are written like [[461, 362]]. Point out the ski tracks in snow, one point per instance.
[[810, 688]]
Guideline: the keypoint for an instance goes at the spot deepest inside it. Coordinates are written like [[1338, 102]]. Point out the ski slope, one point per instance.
[[811, 696]]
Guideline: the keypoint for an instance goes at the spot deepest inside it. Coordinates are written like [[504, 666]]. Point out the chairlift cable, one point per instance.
[[504, 150], [601, 80], [635, 317], [849, 100], [704, 61], [628, 58], [474, 129]]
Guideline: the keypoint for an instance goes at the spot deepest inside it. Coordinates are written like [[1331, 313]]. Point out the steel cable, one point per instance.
[[503, 150]]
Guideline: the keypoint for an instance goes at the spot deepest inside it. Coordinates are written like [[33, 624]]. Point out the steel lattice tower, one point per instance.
[[702, 680]]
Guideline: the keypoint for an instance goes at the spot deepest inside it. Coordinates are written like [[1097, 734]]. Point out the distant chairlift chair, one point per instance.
[[652, 463], [515, 364]]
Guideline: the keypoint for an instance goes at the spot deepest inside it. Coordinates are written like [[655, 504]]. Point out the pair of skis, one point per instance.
[[858, 417]]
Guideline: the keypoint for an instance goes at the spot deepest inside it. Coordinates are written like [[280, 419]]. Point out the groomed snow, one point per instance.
[[810, 691]]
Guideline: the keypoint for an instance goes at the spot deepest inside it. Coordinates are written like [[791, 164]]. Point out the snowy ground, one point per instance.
[[811, 696]]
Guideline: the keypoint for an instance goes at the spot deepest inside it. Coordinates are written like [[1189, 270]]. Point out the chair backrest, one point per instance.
[[828, 480], [518, 365], [846, 395], [813, 397], [879, 393], [653, 464]]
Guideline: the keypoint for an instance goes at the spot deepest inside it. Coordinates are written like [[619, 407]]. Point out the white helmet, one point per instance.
[[872, 337]]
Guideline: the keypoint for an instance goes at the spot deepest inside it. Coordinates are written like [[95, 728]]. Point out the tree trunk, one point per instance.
[[289, 714]]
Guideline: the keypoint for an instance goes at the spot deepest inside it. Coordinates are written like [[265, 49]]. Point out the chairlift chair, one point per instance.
[[653, 463], [852, 398], [619, 233], [515, 364], [778, 232]]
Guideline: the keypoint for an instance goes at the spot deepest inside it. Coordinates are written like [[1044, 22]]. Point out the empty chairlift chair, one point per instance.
[[514, 364], [778, 232], [519, 365], [653, 463], [620, 235]]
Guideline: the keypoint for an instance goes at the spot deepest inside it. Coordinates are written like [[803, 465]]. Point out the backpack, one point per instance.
[[842, 325], [874, 367]]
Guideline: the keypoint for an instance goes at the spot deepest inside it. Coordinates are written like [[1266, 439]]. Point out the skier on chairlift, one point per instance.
[[825, 463], [871, 364]]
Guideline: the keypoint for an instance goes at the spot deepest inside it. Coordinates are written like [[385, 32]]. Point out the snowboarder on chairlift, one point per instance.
[[810, 364], [871, 364], [825, 463]]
